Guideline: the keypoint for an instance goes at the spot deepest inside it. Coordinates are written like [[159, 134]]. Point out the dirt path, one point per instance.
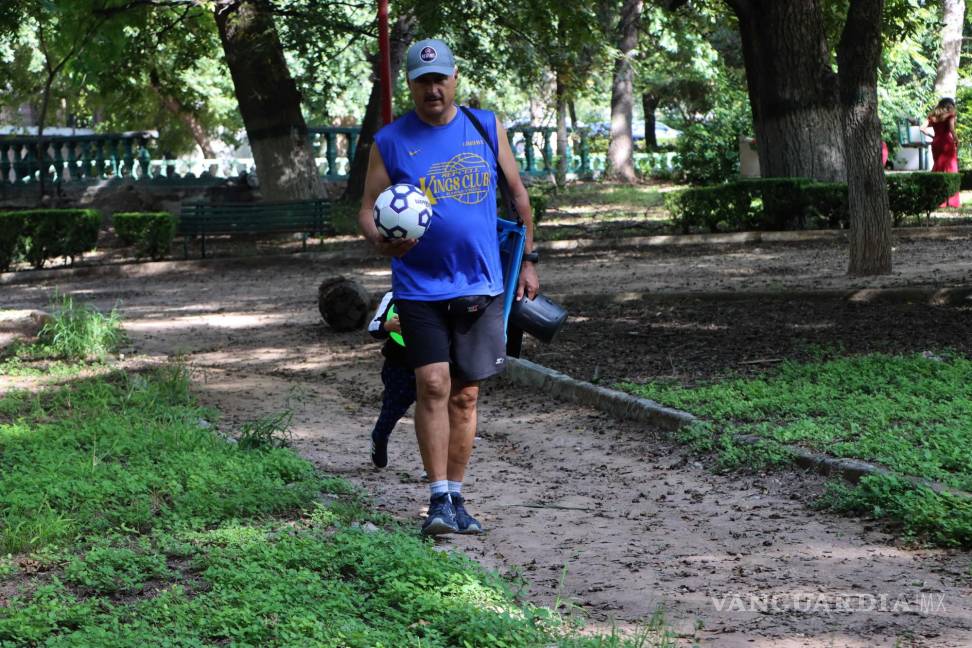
[[607, 515]]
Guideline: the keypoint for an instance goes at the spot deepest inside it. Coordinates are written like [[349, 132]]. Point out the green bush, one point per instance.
[[150, 232], [914, 194], [781, 202], [11, 232], [708, 153], [52, 233], [770, 203], [966, 183], [827, 205], [539, 197], [796, 203], [721, 207]]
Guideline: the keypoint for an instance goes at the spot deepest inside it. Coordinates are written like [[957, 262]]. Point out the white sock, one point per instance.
[[455, 487], [439, 487]]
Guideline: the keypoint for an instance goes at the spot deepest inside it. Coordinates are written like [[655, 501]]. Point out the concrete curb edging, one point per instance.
[[740, 238], [529, 374], [563, 387]]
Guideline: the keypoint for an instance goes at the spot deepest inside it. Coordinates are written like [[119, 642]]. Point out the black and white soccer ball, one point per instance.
[[402, 211]]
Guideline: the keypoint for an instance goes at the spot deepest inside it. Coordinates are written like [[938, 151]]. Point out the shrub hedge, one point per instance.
[[150, 232], [914, 194], [11, 231], [966, 179], [798, 203], [51, 233]]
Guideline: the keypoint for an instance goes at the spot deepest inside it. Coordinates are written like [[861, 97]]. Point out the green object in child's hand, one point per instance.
[[394, 334]]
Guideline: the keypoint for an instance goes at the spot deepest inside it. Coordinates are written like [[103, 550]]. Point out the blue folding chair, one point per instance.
[[512, 239]]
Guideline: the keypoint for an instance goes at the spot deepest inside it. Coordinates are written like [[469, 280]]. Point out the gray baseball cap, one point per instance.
[[429, 56]]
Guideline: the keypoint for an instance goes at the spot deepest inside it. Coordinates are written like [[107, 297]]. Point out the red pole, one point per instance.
[[384, 62]]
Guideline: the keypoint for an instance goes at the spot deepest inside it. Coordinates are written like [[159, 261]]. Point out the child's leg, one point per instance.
[[399, 395]]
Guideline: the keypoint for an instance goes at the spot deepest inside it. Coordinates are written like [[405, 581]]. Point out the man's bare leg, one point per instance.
[[433, 386], [462, 427], [462, 422]]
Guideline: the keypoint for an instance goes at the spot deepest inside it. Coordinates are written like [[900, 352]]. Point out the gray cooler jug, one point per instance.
[[540, 317]]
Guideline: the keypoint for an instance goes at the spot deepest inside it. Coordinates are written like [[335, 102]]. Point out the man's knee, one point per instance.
[[463, 399], [433, 382]]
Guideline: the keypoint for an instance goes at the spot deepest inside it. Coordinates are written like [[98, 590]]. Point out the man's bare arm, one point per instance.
[[529, 282]]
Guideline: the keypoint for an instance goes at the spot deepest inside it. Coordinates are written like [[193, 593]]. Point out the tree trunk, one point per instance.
[[183, 114], [649, 103], [792, 89], [621, 146], [561, 177], [401, 36], [858, 56], [946, 79], [269, 101]]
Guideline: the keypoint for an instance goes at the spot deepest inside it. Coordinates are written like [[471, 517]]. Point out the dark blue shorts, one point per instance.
[[473, 343]]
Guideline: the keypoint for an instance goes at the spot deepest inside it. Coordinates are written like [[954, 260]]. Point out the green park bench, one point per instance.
[[906, 139], [203, 219]]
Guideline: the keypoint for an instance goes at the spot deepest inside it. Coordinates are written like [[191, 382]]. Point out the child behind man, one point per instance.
[[396, 375]]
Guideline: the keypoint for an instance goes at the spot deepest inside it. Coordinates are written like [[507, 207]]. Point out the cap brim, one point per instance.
[[430, 69]]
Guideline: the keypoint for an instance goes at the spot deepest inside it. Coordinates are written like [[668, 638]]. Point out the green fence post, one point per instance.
[[585, 155], [128, 158], [531, 167], [547, 151], [4, 163], [99, 160], [331, 154], [352, 147], [144, 158], [58, 160]]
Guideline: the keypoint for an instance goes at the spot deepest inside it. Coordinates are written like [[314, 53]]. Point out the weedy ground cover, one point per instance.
[[74, 332], [129, 519], [912, 414]]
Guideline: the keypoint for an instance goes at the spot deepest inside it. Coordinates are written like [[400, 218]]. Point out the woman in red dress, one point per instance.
[[945, 142]]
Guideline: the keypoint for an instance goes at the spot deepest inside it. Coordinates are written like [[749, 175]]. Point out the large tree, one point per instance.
[[858, 55], [621, 145], [793, 89], [269, 100], [953, 19]]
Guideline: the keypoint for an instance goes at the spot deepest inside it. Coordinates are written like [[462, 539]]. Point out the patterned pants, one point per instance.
[[399, 395]]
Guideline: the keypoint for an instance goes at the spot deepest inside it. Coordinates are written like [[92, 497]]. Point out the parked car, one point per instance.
[[662, 130]]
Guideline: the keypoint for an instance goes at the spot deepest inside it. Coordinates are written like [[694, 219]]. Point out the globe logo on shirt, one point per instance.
[[465, 178]]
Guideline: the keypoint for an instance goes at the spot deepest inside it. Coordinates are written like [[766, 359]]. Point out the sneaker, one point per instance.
[[441, 518], [467, 524], [379, 451]]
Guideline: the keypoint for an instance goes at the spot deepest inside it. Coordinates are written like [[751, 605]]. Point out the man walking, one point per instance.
[[446, 283]]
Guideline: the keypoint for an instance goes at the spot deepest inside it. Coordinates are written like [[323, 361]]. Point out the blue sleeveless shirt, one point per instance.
[[459, 254]]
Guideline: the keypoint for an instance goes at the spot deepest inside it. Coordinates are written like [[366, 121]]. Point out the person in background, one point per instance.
[[944, 142]]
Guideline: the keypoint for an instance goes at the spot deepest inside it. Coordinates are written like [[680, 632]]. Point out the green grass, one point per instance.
[[75, 332], [144, 526], [129, 453], [912, 414], [593, 193]]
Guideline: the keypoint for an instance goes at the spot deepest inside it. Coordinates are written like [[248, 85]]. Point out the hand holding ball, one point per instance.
[[402, 211]]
